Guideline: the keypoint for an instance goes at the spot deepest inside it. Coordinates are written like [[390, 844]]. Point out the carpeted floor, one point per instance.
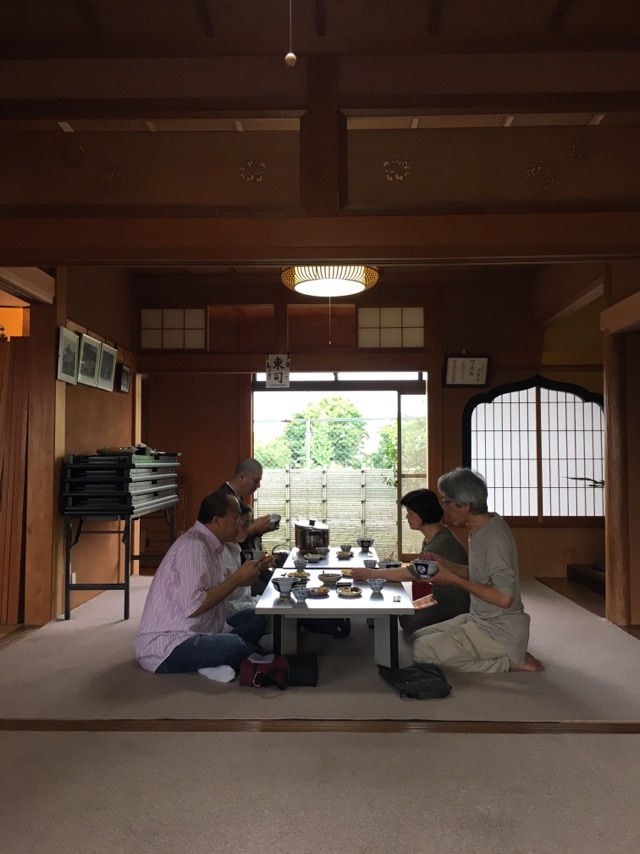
[[231, 793], [83, 670]]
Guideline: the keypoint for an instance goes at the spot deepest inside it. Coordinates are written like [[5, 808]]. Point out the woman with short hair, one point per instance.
[[424, 514]]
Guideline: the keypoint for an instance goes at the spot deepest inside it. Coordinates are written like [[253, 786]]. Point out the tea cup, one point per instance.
[[376, 584], [345, 547], [370, 563]]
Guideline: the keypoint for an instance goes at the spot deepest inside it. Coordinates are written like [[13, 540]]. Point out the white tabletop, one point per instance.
[[369, 604], [332, 561]]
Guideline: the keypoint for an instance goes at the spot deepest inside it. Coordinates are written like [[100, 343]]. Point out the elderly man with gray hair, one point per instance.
[[493, 636]]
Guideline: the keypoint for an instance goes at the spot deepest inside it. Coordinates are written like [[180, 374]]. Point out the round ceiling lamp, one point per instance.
[[330, 280]]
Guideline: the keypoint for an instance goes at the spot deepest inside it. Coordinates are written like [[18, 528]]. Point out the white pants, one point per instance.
[[458, 644]]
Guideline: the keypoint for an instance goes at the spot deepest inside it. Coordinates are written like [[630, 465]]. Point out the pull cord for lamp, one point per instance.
[[291, 58]]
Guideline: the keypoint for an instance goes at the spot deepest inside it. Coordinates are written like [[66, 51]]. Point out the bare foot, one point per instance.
[[531, 665]]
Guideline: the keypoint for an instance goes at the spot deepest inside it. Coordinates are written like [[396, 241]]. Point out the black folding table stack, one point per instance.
[[115, 487]]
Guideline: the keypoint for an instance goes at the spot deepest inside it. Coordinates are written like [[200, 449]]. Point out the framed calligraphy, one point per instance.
[[466, 370]]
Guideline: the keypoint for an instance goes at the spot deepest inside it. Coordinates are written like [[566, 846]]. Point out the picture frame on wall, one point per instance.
[[107, 367], [88, 360], [466, 370], [123, 382], [68, 350]]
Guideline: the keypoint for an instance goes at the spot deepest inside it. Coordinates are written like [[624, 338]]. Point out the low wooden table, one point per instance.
[[380, 607]]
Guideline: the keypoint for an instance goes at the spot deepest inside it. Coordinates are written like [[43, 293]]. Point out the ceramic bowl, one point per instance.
[[345, 547], [389, 564], [300, 563], [365, 543], [370, 563], [323, 550], [425, 568], [376, 584], [300, 593], [328, 577], [284, 586], [315, 558]]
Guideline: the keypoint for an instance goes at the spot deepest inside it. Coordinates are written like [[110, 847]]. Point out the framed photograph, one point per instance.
[[466, 370], [123, 382], [107, 367], [68, 347], [88, 360]]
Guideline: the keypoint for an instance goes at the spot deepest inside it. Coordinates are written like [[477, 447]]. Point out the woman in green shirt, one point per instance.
[[424, 514]]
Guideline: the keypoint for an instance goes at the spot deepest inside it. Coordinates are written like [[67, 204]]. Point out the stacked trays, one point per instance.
[[119, 484]]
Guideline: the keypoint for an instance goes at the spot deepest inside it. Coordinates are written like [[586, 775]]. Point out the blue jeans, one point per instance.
[[249, 625], [207, 651]]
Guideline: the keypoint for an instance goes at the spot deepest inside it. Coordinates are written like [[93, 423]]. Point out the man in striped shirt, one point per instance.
[[183, 627]]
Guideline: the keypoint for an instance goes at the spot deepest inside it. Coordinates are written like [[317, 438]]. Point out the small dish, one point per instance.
[[344, 555], [349, 592], [314, 558], [317, 592], [300, 575], [346, 573]]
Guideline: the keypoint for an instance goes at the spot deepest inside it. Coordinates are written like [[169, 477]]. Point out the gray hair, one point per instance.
[[249, 466], [464, 486]]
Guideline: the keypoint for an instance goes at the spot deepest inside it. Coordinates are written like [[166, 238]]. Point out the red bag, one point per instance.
[[263, 671]]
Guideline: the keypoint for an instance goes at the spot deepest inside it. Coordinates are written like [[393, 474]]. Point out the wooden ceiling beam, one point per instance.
[[453, 238], [205, 18]]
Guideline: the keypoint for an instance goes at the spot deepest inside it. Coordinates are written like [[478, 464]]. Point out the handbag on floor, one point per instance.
[[279, 671], [419, 682]]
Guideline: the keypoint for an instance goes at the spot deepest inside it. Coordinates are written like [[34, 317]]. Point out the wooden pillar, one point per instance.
[[44, 553], [323, 141], [618, 591]]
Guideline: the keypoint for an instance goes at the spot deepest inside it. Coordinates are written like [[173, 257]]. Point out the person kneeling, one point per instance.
[[493, 637]]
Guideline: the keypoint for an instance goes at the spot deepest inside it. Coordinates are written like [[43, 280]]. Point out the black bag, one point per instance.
[[420, 681], [339, 628]]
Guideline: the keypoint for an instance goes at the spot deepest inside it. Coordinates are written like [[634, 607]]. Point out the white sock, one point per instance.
[[223, 673]]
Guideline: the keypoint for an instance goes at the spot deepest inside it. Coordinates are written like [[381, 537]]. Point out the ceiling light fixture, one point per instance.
[[329, 280]]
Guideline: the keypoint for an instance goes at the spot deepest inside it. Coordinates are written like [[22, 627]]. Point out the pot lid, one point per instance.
[[311, 525]]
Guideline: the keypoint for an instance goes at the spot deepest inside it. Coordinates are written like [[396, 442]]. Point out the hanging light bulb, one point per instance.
[[291, 59]]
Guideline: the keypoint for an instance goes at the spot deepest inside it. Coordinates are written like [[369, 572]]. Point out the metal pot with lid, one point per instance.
[[311, 534]]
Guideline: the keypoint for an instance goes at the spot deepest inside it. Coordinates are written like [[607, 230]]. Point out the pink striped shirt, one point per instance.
[[193, 564]]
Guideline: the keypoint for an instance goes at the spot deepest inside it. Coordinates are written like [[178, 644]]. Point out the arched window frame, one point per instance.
[[536, 382]]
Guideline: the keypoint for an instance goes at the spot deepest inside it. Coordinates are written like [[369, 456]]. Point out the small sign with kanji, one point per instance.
[[277, 370]]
